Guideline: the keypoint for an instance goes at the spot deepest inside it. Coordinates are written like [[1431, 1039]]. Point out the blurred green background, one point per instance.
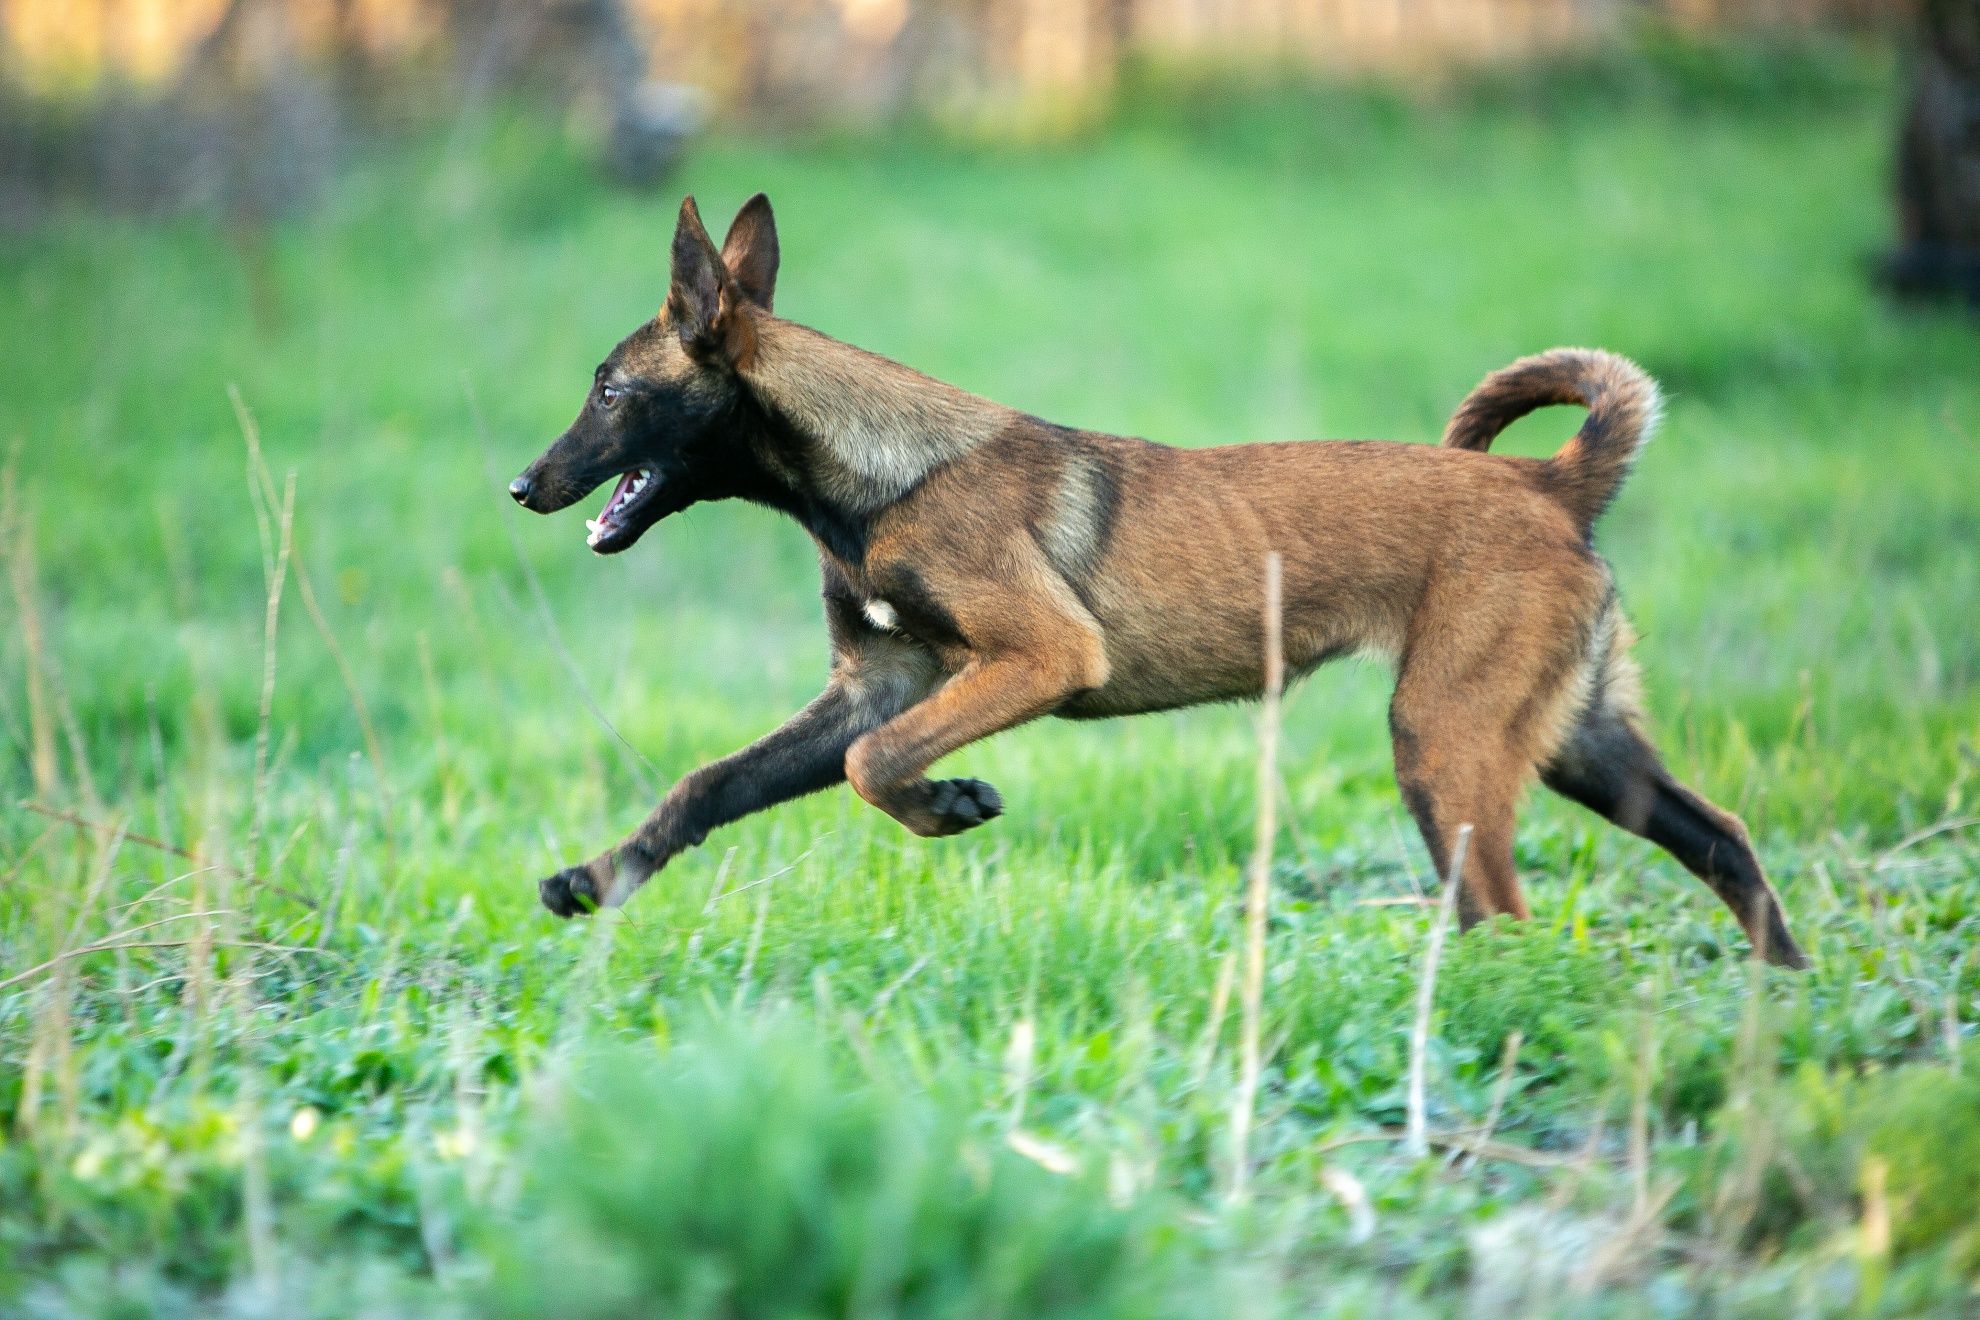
[[331, 1058]]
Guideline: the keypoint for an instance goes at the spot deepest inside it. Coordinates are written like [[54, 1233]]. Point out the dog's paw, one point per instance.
[[570, 892], [962, 804]]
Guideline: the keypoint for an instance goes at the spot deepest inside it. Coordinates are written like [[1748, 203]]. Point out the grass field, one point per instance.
[[342, 1063]]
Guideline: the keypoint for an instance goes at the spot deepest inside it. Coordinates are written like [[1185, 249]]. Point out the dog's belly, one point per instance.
[[1119, 699], [1179, 675]]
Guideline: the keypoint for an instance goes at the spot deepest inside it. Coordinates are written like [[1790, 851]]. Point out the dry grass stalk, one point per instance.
[[40, 713], [1639, 1113], [340, 876], [1876, 1228], [1466, 1143], [1348, 1190], [108, 846], [199, 972], [1949, 826], [715, 891], [1018, 1057], [1631, 1242], [1501, 1086], [1416, 1142], [893, 987], [46, 703], [1748, 1122], [1257, 889], [120, 939], [257, 1202], [275, 548], [146, 841], [470, 1091], [49, 1047], [754, 946], [374, 751], [1213, 1028], [78, 750], [777, 874], [26, 855], [21, 578], [584, 988], [1951, 1020], [48, 1051], [443, 756]]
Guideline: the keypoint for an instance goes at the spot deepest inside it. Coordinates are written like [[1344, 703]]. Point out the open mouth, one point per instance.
[[618, 525]]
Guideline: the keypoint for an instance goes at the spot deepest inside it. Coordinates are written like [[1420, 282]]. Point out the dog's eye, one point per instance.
[[608, 394]]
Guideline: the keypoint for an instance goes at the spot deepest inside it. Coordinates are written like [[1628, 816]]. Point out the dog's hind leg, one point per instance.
[[1450, 783], [1485, 677], [1608, 766]]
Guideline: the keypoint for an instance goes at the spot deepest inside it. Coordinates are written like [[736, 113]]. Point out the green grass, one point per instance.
[[421, 1094]]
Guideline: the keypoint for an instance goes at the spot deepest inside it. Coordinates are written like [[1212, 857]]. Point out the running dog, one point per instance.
[[983, 568]]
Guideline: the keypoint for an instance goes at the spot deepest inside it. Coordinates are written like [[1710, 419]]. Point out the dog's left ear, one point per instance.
[[694, 298], [750, 251]]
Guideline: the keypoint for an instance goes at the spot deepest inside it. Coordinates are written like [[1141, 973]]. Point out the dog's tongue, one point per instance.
[[620, 492], [602, 523]]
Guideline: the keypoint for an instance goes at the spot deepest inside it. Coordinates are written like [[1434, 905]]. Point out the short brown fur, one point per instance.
[[983, 568]]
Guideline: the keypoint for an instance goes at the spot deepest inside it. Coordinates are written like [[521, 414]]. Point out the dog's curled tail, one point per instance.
[[1622, 408]]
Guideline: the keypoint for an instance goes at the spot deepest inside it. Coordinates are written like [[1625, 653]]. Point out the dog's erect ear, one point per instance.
[[750, 251], [694, 300], [705, 302]]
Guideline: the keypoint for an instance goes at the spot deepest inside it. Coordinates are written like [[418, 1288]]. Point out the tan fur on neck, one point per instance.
[[879, 427]]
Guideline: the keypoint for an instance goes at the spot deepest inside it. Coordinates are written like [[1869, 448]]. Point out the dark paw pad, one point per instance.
[[569, 892], [962, 804]]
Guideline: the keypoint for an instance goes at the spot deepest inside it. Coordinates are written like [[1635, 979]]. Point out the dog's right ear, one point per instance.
[[694, 299]]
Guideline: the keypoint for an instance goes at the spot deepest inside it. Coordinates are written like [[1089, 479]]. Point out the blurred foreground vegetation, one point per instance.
[[338, 1062]]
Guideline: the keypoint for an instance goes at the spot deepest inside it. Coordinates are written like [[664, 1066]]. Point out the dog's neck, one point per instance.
[[864, 429]]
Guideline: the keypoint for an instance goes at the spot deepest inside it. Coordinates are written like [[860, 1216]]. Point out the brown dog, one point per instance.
[[983, 568]]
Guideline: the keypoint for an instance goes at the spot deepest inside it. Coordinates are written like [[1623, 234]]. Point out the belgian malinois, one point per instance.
[[983, 568]]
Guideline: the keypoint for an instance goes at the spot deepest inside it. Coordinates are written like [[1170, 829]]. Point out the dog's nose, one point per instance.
[[520, 488]]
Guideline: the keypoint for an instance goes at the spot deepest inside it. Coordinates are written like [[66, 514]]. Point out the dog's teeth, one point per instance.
[[594, 525]]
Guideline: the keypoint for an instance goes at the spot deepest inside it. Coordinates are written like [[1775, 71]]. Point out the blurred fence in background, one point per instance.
[[244, 104], [786, 58], [876, 56]]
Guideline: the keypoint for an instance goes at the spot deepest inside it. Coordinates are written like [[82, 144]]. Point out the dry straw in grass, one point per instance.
[[1416, 1141], [204, 863], [261, 481], [275, 546], [16, 533], [1257, 890]]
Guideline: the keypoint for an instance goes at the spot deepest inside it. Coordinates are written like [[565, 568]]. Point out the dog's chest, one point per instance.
[[894, 599]]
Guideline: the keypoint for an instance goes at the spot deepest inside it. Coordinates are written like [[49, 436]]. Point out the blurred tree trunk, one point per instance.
[[1938, 167]]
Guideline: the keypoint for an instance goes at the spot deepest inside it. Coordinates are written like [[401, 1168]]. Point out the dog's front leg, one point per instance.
[[806, 754], [888, 767]]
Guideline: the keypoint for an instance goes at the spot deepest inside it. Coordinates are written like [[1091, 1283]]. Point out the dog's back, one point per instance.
[[1164, 549]]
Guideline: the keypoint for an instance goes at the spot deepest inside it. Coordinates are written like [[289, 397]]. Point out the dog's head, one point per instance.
[[664, 403]]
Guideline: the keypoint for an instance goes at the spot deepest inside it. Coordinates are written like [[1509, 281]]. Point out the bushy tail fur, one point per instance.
[[1622, 409]]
